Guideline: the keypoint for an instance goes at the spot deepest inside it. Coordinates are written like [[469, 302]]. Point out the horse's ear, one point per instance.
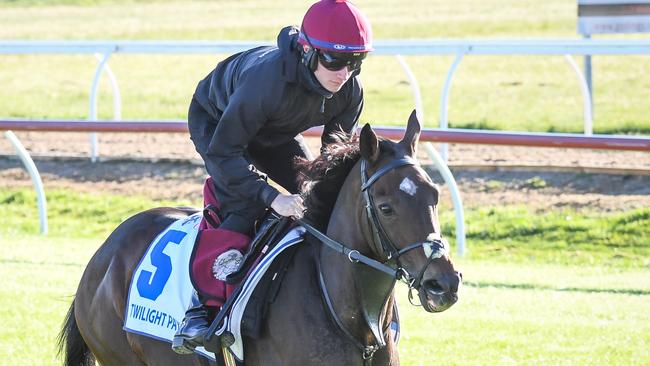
[[410, 140], [368, 144]]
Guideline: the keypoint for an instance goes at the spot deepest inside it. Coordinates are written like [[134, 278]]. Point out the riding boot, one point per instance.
[[192, 330]]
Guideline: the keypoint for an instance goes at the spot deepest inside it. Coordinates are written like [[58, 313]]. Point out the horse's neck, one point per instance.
[[363, 307], [348, 223], [341, 276]]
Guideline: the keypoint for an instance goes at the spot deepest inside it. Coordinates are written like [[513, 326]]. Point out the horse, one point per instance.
[[373, 220]]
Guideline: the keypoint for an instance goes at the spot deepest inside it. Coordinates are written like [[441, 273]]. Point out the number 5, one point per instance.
[[151, 285]]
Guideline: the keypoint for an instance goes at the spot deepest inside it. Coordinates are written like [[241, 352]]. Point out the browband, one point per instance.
[[406, 160]]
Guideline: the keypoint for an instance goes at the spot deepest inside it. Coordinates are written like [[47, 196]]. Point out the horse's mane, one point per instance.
[[321, 179]]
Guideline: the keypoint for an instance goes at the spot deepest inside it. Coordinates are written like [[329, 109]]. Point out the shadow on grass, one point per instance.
[[528, 286]]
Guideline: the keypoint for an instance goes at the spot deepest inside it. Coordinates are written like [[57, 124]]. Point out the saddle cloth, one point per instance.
[[160, 290]]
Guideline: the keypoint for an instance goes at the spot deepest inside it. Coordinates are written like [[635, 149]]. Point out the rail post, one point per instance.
[[442, 167], [117, 99], [444, 101], [36, 178]]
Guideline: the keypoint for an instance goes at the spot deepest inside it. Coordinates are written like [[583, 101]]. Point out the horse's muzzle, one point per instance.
[[440, 294]]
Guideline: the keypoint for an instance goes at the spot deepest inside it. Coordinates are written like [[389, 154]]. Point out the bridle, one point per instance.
[[383, 246], [382, 243]]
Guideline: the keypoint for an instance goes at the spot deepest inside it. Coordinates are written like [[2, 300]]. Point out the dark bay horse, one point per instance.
[[334, 306]]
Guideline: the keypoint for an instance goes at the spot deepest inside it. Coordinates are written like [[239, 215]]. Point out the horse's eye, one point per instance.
[[386, 209]]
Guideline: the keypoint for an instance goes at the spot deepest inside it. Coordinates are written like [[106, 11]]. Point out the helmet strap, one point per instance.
[[309, 58]]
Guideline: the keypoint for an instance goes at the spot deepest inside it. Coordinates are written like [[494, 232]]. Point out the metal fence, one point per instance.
[[458, 48]]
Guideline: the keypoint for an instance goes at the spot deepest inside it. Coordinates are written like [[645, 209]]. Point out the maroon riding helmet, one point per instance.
[[337, 33]]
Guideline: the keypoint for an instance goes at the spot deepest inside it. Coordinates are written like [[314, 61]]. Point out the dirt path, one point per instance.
[[164, 166]]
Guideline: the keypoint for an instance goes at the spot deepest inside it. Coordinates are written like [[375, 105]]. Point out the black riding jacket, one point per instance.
[[267, 96]]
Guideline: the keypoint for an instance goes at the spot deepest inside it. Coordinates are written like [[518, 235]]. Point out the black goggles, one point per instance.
[[335, 61]]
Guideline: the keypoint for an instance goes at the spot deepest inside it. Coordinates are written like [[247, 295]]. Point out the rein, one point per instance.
[[353, 255], [382, 245]]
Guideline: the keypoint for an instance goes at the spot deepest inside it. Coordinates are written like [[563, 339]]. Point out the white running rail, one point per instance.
[[459, 48]]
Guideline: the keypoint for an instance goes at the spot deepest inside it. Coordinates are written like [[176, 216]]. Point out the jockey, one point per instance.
[[246, 116]]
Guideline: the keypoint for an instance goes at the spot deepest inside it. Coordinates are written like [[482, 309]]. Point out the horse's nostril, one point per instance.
[[432, 286]]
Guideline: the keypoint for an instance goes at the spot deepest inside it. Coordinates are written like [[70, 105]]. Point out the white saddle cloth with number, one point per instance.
[[160, 289]]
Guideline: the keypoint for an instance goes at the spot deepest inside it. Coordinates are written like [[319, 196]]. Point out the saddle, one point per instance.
[[269, 230]]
